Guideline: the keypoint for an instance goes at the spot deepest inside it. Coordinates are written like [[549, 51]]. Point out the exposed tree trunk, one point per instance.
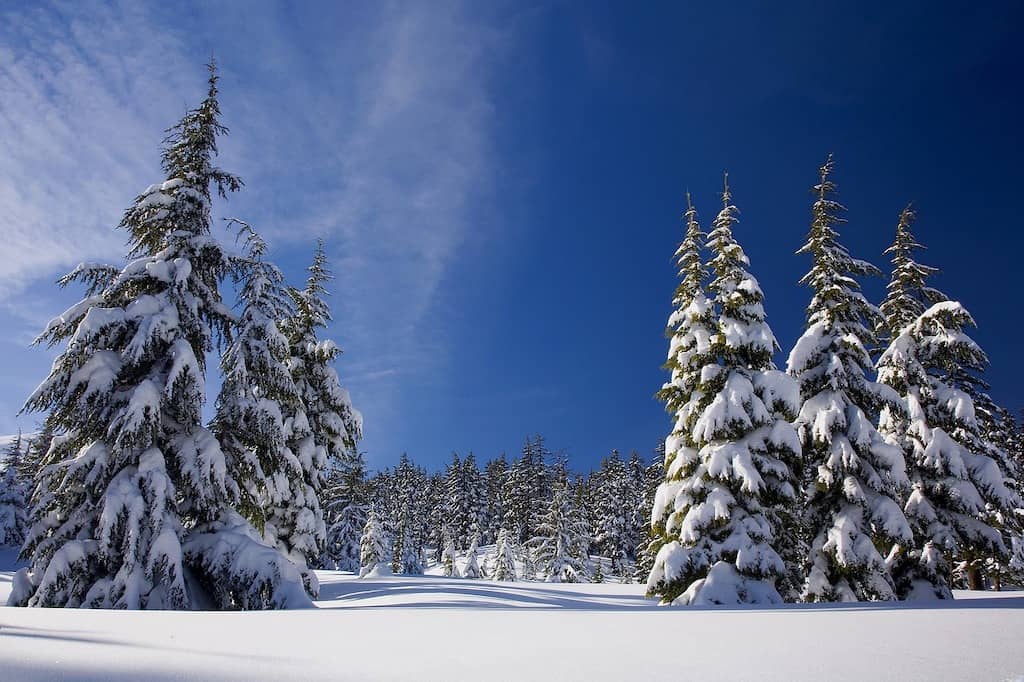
[[973, 578]]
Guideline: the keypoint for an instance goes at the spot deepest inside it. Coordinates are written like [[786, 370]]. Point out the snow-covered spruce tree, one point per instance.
[[456, 512], [907, 294], [409, 484], [345, 508], [527, 489], [504, 560], [731, 455], [637, 514], [374, 547], [614, 505], [136, 489], [691, 326], [855, 476], [14, 496], [471, 568], [954, 482], [475, 496], [650, 540], [495, 473], [993, 439], [434, 516], [561, 540], [448, 554], [257, 388], [322, 429]]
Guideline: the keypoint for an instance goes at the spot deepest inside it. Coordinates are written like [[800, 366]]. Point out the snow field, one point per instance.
[[434, 628]]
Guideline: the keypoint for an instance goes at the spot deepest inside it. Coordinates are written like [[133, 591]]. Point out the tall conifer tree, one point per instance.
[[734, 451], [135, 488], [855, 477]]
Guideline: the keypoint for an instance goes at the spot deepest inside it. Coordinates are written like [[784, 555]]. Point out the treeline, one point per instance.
[[548, 520]]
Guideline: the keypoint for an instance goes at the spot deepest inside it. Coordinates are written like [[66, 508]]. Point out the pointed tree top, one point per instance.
[[826, 186], [726, 194], [907, 216], [211, 66]]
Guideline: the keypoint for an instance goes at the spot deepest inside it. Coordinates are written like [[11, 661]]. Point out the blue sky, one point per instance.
[[499, 184]]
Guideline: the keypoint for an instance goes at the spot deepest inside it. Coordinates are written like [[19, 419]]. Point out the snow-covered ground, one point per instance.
[[433, 628]]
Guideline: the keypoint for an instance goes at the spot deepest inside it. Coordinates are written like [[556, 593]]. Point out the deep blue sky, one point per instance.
[[500, 187]]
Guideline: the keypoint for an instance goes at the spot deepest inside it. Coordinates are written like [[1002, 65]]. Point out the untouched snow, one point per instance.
[[425, 627]]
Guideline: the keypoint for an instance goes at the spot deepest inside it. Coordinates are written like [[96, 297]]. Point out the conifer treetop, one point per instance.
[[744, 338], [837, 297], [180, 206], [692, 272], [907, 294]]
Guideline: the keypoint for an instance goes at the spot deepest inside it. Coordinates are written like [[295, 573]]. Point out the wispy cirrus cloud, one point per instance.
[[377, 139]]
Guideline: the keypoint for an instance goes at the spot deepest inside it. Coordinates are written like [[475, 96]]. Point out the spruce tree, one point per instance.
[[504, 561], [471, 569], [907, 294], [650, 541], [475, 497], [323, 429], [456, 501], [527, 490], [257, 388], [730, 458], [855, 477], [409, 483], [135, 489], [495, 473], [561, 540], [614, 506], [374, 547], [14, 497], [955, 483], [345, 508], [448, 554]]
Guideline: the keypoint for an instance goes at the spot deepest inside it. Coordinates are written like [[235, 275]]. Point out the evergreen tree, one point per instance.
[[495, 473], [730, 458], [345, 507], [561, 538], [135, 489], [638, 515], [323, 429], [374, 547], [14, 494], [457, 502], [527, 490], [855, 476], [504, 561], [954, 481], [409, 484], [450, 570], [471, 569], [907, 294], [257, 383], [475, 497], [615, 504], [649, 543], [436, 514]]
